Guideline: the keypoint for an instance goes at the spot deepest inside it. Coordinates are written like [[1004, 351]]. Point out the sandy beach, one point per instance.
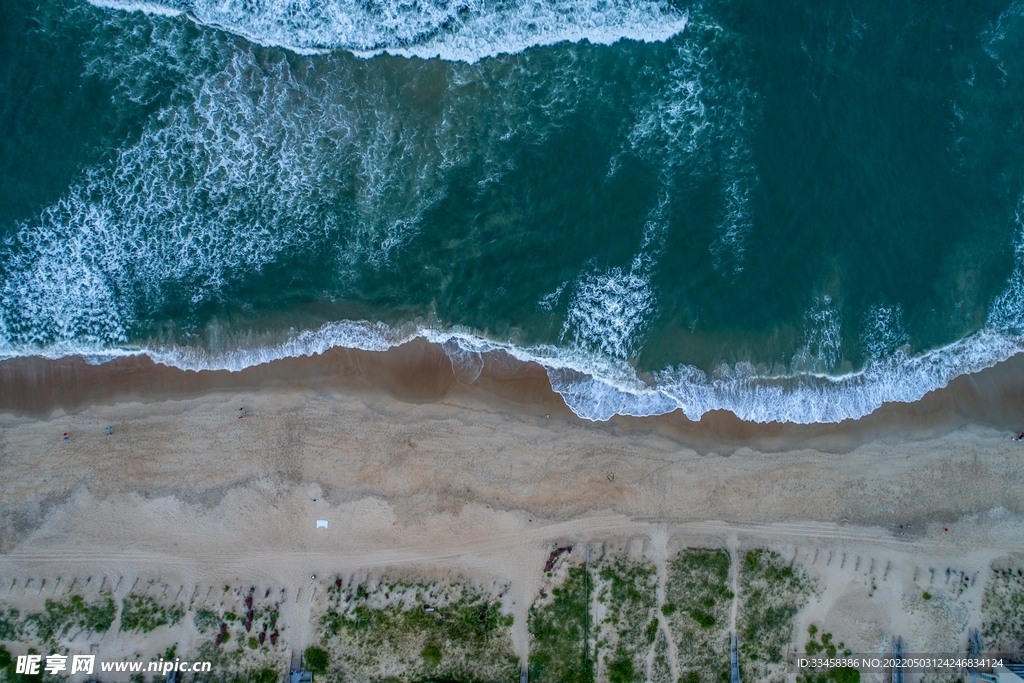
[[220, 479], [561, 341]]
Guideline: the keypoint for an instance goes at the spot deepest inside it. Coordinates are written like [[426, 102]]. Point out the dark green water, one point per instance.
[[792, 210]]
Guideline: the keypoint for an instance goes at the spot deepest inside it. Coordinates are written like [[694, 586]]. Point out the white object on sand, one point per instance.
[[321, 524]]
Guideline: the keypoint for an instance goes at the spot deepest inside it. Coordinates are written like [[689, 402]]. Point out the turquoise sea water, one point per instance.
[[791, 210]]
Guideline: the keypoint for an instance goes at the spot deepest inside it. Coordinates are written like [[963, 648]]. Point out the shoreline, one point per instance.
[[420, 372], [506, 441]]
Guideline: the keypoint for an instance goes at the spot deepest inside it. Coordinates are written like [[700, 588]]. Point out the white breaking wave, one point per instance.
[[884, 331], [463, 30], [598, 387], [220, 188], [124, 232], [244, 165], [1007, 311], [611, 309], [822, 350], [697, 122], [729, 246]]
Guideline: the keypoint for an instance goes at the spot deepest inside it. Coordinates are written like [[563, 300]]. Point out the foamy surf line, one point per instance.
[[597, 388], [466, 32]]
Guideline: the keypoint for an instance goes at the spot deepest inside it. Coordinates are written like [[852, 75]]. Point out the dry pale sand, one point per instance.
[[190, 496]]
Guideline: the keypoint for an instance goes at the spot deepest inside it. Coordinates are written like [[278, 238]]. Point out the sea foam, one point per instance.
[[597, 387], [467, 30], [162, 214]]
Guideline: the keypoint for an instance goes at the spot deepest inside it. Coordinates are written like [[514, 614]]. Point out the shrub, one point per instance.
[[560, 651], [703, 618], [621, 670], [59, 617], [844, 674], [772, 591], [206, 619], [698, 589], [9, 626], [263, 676], [431, 656], [143, 613], [316, 659]]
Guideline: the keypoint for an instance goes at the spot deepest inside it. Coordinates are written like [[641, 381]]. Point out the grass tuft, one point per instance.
[[772, 591], [697, 603], [559, 651], [143, 613], [59, 617], [416, 632]]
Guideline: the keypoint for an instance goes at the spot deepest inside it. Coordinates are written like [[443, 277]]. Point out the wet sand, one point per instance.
[[421, 372]]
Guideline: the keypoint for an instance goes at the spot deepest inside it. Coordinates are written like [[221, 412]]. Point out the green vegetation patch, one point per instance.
[[628, 591], [568, 646], [264, 675], [1003, 605], [560, 628], [316, 660], [814, 646], [8, 669], [206, 620], [254, 626], [240, 665], [10, 624], [404, 632], [772, 591], [59, 617], [697, 604], [144, 613], [242, 640], [840, 674], [823, 644]]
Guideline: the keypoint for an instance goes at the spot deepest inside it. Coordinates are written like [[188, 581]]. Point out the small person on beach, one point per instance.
[[241, 413], [65, 436], [1019, 437]]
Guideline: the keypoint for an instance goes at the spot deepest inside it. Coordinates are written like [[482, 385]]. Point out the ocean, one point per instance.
[[793, 211]]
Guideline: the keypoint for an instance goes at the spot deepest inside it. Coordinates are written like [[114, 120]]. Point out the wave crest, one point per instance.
[[598, 387], [466, 30]]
